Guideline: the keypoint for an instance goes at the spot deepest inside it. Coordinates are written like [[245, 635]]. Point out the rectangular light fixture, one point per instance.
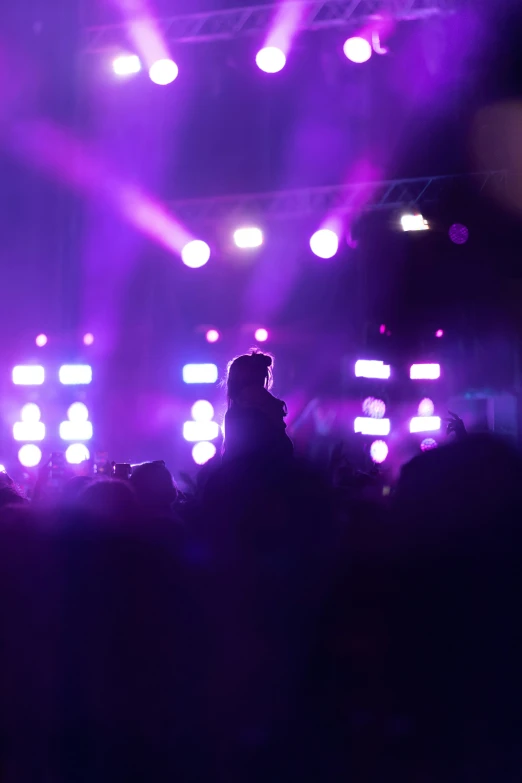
[[28, 430], [195, 431], [425, 424], [75, 374], [28, 375], [368, 426], [365, 368], [76, 430], [424, 372], [200, 373]]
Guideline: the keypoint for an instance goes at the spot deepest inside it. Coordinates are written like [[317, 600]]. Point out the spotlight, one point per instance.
[[202, 410], [382, 329], [458, 234], [212, 336], [324, 243], [88, 339], [425, 372], [76, 430], [378, 451], [271, 59], [371, 426], [30, 413], [75, 374], [357, 49], [126, 64], [425, 424], [439, 333], [200, 430], [28, 375], [28, 430], [365, 368], [202, 452], [373, 408], [414, 223], [41, 340], [428, 444], [195, 254], [2, 469], [248, 237], [30, 455], [77, 453], [426, 407], [78, 412], [261, 335], [163, 71], [200, 373]]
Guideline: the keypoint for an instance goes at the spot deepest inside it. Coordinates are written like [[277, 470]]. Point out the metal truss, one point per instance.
[[257, 19], [340, 199]]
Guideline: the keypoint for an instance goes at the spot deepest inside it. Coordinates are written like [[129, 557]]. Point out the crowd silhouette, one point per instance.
[[271, 622]]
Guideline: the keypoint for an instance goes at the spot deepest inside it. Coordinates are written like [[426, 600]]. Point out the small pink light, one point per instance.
[[88, 339], [41, 340], [261, 335], [439, 333], [382, 328], [212, 336], [357, 49]]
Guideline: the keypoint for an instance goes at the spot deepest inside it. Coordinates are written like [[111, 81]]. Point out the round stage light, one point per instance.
[[195, 254], [202, 452], [426, 407], [261, 335], [163, 71], [41, 340], [30, 455], [78, 412], [202, 410], [458, 234], [271, 59], [439, 333], [378, 451], [30, 413], [374, 408], [248, 237], [357, 49], [324, 243], [126, 65], [88, 339], [77, 453], [2, 469], [428, 444], [212, 336]]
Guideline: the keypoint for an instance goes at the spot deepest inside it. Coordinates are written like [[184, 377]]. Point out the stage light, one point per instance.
[[382, 329], [428, 444], [357, 49], [195, 254], [78, 412], [324, 243], [126, 64], [30, 413], [261, 335], [77, 453], [202, 452], [200, 373], [248, 237], [200, 430], [374, 408], [28, 430], [2, 469], [75, 374], [41, 340], [366, 426], [378, 451], [30, 455], [458, 234], [76, 430], [163, 71], [414, 223], [425, 372], [425, 424], [202, 410], [439, 333], [212, 336], [88, 339], [426, 407], [365, 368], [271, 59], [28, 375]]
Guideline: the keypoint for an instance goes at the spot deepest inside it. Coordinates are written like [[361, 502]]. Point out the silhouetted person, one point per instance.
[[154, 487]]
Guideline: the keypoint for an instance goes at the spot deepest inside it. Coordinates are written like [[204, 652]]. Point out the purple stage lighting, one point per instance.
[[414, 223], [2, 469], [382, 329], [202, 452], [202, 410], [30, 455], [248, 237], [366, 426], [163, 71], [77, 453], [88, 339], [76, 430], [41, 340], [324, 243], [426, 407], [28, 430], [212, 336], [126, 65], [425, 372], [200, 373], [357, 49], [458, 234], [439, 333], [28, 375], [30, 413], [378, 451], [261, 335], [75, 374], [374, 408], [425, 424], [365, 368], [271, 59], [428, 444], [195, 254], [78, 412], [200, 430]]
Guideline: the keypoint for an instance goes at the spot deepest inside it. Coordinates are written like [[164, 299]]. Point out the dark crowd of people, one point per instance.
[[269, 621]]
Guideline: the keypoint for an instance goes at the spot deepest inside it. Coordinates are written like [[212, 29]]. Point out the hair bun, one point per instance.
[[262, 358]]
